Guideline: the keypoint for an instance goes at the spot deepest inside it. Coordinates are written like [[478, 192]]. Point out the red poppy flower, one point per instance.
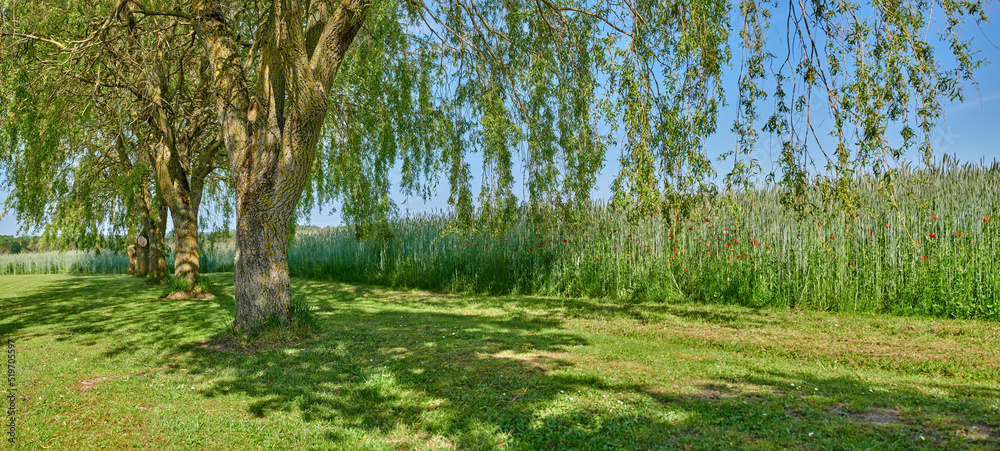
[[630, 235], [924, 257], [869, 232], [959, 234], [933, 235], [564, 240], [934, 218], [832, 237], [671, 235], [986, 219]]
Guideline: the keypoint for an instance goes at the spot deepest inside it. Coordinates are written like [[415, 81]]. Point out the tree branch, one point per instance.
[[36, 38], [232, 94], [336, 39]]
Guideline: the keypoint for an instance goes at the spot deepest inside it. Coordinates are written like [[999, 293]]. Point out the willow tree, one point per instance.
[[124, 102], [77, 184]]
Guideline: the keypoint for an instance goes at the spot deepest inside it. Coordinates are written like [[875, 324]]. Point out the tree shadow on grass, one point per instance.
[[405, 372], [115, 312], [409, 377]]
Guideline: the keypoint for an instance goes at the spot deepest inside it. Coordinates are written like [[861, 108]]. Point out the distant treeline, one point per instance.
[[16, 245]]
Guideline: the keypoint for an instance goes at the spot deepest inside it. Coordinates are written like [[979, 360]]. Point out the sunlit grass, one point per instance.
[[103, 363]]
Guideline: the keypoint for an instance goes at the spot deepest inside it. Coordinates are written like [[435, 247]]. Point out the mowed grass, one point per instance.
[[102, 363]]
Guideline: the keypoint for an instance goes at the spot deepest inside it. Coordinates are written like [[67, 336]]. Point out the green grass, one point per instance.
[[103, 363]]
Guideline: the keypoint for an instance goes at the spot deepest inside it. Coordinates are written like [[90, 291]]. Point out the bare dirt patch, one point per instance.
[[90, 383], [978, 432], [725, 389], [877, 416], [178, 295], [536, 361]]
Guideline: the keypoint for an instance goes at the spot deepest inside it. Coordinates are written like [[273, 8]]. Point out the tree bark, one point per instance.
[[157, 246], [186, 258], [132, 263], [142, 251], [261, 280]]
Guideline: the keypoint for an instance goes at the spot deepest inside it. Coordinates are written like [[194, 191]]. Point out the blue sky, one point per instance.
[[970, 130]]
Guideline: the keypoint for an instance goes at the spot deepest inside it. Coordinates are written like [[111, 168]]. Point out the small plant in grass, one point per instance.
[[158, 280], [178, 288], [272, 332]]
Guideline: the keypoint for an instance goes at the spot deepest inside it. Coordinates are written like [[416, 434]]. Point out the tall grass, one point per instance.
[[928, 249], [928, 245], [67, 262]]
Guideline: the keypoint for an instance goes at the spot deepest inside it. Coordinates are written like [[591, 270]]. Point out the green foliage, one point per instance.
[[532, 84]]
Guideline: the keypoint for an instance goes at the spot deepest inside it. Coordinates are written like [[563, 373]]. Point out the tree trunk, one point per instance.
[[142, 251], [139, 250], [132, 263], [157, 247], [183, 203], [261, 285], [186, 263]]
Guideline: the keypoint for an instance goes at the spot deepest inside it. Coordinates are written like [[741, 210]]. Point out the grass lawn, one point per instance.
[[102, 363]]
